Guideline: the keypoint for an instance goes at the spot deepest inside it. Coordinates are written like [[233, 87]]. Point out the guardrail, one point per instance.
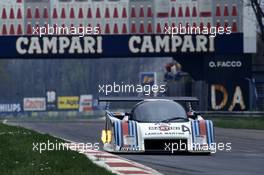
[[73, 115], [53, 115], [227, 114]]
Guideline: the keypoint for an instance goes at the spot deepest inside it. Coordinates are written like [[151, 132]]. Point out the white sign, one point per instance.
[[10, 107], [34, 104], [86, 103], [51, 96]]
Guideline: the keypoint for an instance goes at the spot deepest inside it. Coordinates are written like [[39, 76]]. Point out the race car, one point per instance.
[[159, 125]]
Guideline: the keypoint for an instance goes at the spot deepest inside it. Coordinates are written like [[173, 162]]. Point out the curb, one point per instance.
[[113, 163]]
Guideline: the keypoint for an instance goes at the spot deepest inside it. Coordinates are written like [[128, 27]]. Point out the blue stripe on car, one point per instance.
[[120, 133], [133, 133], [212, 131], [116, 133], [208, 131], [130, 131], [193, 130], [136, 134], [197, 128]]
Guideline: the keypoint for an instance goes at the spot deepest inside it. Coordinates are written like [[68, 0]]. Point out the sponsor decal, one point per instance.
[[128, 140], [10, 107], [68, 102], [185, 129], [34, 104], [128, 148], [163, 133], [164, 127]]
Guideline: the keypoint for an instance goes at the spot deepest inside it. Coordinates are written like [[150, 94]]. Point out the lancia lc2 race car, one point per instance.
[[155, 124]]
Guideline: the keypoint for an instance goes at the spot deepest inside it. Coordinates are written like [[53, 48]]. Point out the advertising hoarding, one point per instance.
[[34, 104], [228, 80], [148, 78], [86, 103], [15, 107], [127, 46], [51, 100], [68, 102], [224, 96]]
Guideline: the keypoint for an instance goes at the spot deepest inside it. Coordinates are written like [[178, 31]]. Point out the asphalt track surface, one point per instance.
[[245, 158]]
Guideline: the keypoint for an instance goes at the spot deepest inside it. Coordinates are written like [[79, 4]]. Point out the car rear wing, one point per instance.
[[187, 102], [138, 99]]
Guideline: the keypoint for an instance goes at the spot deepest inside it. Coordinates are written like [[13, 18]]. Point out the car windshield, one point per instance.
[[157, 111]]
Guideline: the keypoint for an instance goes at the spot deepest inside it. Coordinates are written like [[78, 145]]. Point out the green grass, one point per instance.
[[239, 123], [18, 158]]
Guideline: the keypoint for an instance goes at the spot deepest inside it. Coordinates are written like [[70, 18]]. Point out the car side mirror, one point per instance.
[[197, 113], [192, 114], [128, 114]]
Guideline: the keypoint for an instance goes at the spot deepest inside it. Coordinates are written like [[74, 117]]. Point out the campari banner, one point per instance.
[[103, 46]]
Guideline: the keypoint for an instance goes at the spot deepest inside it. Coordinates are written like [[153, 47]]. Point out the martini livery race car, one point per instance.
[[157, 125]]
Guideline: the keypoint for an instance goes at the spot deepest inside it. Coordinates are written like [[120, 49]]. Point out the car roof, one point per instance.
[[151, 100]]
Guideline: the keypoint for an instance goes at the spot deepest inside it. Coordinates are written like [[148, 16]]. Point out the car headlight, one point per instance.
[[201, 139], [106, 136]]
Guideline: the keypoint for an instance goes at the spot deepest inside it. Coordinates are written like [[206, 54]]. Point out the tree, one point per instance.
[[259, 13], [3, 72], [5, 80]]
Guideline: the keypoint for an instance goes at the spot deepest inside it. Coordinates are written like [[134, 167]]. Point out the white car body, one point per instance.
[[128, 136]]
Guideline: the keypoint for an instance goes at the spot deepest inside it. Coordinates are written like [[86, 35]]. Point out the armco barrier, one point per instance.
[[53, 115], [72, 115], [227, 114]]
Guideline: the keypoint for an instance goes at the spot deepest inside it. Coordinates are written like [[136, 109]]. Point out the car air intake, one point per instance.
[[166, 145]]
